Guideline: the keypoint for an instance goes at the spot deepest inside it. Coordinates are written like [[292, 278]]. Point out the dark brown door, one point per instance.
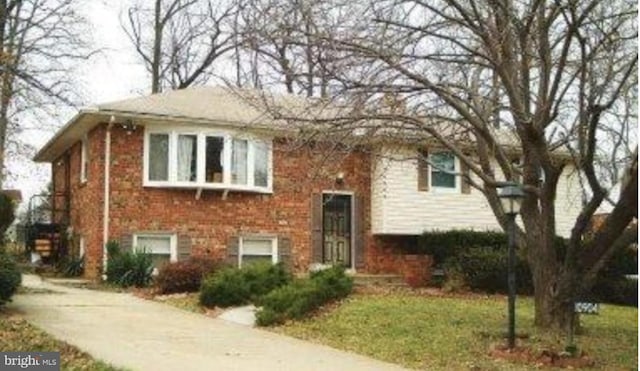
[[336, 231]]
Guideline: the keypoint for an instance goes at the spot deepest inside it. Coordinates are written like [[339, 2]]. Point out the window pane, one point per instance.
[[256, 247], [187, 158], [159, 157], [154, 244], [443, 165], [239, 162], [261, 164], [214, 148]]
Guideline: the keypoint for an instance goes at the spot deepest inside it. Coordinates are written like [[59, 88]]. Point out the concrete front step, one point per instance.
[[391, 280]]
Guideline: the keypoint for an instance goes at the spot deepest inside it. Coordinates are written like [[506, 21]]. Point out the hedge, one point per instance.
[[232, 286], [10, 277], [296, 300]]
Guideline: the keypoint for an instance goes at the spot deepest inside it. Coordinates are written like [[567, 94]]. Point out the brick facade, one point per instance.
[[85, 198], [210, 221]]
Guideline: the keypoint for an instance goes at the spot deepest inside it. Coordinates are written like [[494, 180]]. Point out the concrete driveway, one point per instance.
[[138, 334]]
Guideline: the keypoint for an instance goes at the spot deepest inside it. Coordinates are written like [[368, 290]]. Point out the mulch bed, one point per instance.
[[548, 358]]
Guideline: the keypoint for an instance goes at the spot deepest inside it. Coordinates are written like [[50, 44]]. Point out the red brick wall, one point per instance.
[[210, 221], [86, 199], [387, 254]]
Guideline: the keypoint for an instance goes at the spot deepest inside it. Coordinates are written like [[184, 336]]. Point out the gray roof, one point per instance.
[[232, 107], [218, 106]]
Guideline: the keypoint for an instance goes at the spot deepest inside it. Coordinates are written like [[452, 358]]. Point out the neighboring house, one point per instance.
[[202, 172]]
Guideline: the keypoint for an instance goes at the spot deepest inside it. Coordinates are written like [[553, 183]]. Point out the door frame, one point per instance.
[[351, 194]]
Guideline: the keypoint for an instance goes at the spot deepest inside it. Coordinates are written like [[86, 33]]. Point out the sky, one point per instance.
[[113, 74]]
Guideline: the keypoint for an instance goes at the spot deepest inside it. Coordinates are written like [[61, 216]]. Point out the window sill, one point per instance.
[[207, 186]]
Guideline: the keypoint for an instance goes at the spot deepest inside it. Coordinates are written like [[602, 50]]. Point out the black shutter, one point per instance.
[[184, 247], [126, 242], [423, 170], [316, 228], [358, 232], [232, 251], [284, 252]]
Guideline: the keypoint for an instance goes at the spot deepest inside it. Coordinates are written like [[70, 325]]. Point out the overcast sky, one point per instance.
[[114, 74]]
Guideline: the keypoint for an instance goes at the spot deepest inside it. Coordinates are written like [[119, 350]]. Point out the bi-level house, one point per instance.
[[202, 172]]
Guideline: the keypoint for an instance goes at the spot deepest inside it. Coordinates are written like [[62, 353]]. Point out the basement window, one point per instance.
[[257, 249], [161, 247]]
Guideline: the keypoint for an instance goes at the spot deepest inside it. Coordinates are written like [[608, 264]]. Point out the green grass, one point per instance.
[[457, 333], [17, 335]]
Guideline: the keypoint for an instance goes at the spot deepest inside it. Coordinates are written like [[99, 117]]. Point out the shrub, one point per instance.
[[485, 269], [297, 299], [225, 288], [73, 267], [7, 213], [183, 276], [10, 277], [444, 245], [233, 286], [128, 268]]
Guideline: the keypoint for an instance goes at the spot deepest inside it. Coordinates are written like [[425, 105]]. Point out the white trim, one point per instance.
[[274, 246], [352, 195], [84, 158], [173, 240], [200, 182]]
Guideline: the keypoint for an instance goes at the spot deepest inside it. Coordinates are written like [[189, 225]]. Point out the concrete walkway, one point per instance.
[[138, 334]]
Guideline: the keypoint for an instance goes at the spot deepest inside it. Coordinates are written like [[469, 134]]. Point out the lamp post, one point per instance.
[[511, 196]]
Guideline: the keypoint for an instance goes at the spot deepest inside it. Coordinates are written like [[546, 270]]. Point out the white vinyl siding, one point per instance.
[[399, 208]]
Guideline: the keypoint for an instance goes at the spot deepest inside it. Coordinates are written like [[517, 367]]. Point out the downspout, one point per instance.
[[105, 216]]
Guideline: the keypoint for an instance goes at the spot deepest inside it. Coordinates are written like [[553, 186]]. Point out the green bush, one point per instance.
[[303, 296], [485, 269], [444, 245], [7, 213], [10, 277], [233, 286], [619, 290], [128, 268], [184, 276], [73, 267]]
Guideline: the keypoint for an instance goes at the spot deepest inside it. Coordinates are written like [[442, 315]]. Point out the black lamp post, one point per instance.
[[511, 196]]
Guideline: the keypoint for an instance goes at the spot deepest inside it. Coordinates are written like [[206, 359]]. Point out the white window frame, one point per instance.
[[274, 246], [173, 249], [200, 182], [456, 176], [84, 158]]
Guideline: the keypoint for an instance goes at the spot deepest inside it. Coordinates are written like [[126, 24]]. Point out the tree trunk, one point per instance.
[[553, 301]]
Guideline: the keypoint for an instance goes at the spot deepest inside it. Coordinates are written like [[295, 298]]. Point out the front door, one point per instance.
[[336, 231]]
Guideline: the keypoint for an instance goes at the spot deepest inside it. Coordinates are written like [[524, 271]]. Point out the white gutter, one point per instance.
[[105, 216]]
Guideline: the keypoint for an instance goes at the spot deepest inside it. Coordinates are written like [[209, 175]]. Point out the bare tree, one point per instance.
[[41, 41], [276, 41], [557, 78], [178, 40]]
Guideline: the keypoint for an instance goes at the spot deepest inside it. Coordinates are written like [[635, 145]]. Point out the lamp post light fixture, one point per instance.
[[511, 196]]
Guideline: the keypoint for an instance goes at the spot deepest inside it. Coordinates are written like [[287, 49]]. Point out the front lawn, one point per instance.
[[17, 335], [429, 332]]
